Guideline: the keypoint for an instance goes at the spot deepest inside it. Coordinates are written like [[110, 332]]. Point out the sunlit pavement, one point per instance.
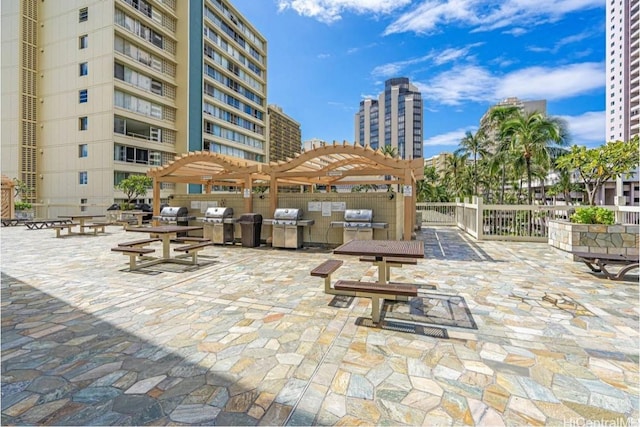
[[512, 334]]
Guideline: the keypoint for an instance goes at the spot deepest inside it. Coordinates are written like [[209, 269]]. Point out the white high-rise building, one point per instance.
[[94, 91], [623, 70], [395, 119]]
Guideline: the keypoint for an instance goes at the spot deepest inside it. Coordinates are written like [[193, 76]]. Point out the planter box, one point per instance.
[[594, 238], [25, 214]]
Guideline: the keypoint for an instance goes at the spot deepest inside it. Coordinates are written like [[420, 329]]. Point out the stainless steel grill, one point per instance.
[[177, 214], [287, 226], [218, 225], [358, 224]]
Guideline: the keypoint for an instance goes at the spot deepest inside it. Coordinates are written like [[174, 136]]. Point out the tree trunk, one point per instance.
[[529, 189]]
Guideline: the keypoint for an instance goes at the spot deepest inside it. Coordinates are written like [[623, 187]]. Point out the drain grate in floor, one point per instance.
[[428, 331], [432, 308]]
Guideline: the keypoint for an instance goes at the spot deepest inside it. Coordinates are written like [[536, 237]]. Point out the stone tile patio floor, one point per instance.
[[249, 338]]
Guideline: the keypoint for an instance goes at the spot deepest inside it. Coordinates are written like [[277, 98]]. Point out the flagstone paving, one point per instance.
[[249, 338]]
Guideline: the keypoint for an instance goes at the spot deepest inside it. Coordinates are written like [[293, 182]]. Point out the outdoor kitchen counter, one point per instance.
[[379, 249]]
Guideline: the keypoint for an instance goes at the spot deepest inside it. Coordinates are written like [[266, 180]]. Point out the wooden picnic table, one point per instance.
[[165, 233], [81, 222], [381, 251]]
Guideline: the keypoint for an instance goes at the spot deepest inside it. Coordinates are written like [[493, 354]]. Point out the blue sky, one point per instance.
[[325, 56]]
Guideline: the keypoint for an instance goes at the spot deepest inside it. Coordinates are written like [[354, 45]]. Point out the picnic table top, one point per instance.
[[165, 229], [382, 248]]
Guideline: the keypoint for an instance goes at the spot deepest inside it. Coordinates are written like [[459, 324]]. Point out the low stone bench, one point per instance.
[[377, 291]]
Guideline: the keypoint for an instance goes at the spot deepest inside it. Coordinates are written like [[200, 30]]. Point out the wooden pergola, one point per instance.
[[328, 165]]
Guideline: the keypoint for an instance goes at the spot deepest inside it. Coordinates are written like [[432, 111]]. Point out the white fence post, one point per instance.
[[479, 217]]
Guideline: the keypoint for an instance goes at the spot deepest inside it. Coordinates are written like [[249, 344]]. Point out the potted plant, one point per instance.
[[23, 210], [592, 229]]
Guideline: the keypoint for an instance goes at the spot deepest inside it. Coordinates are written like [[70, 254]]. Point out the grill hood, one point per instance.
[[219, 212], [174, 211], [358, 215], [287, 214]]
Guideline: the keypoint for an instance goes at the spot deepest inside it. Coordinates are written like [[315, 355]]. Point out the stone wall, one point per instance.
[[594, 238]]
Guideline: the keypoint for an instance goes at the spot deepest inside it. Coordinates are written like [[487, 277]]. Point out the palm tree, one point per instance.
[[490, 125], [454, 172], [474, 145], [390, 151], [529, 136]]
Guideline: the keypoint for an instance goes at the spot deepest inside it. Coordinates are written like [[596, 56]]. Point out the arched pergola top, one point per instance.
[[327, 164], [204, 167], [332, 163]]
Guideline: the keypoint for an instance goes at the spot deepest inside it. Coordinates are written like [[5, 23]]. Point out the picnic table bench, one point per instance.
[[193, 249], [133, 253], [377, 291], [598, 262], [325, 270], [66, 226]]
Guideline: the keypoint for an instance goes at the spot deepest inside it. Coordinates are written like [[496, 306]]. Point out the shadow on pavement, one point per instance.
[[449, 244], [63, 366]]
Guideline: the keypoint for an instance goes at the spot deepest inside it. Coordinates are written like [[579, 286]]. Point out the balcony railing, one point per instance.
[[507, 222]]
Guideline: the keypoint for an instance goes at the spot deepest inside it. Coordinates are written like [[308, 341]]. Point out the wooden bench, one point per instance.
[[390, 261], [96, 227], [598, 262], [138, 243], [187, 239], [324, 270], [377, 291], [193, 250], [133, 253], [68, 226]]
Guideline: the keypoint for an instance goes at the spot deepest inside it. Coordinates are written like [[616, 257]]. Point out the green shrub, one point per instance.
[[21, 206], [593, 215]]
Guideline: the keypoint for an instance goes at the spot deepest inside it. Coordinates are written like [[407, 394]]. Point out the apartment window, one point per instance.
[[83, 150], [83, 123], [83, 95], [84, 68], [82, 178], [83, 202], [83, 41], [83, 14]]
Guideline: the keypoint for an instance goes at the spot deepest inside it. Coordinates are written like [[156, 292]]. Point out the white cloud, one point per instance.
[[329, 11], [485, 15], [437, 57], [575, 38], [324, 55], [448, 139], [468, 83], [478, 84], [587, 129], [428, 15], [552, 83]]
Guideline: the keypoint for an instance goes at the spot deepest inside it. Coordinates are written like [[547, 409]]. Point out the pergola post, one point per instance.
[[409, 204], [273, 192], [247, 190], [156, 197]]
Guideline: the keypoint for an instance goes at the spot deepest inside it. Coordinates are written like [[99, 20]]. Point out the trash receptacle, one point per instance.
[[251, 228]]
